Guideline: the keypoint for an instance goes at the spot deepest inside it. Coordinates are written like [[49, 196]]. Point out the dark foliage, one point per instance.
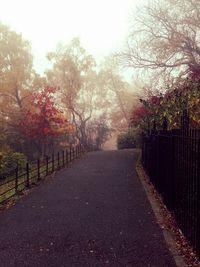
[[126, 140]]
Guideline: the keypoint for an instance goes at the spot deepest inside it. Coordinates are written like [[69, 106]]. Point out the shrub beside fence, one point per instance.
[[18, 179], [126, 140], [171, 158]]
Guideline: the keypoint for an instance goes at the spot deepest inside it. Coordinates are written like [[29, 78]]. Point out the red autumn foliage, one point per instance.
[[139, 113], [42, 118], [154, 100]]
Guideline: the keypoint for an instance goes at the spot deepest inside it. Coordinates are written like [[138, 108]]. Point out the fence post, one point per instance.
[[143, 148], [70, 153], [38, 169], [47, 165], [16, 179], [63, 157], [52, 162], [185, 122], [173, 178], [66, 155], [198, 200], [154, 126], [58, 159], [165, 124], [27, 175]]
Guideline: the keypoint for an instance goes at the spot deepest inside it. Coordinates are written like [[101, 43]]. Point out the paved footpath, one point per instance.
[[93, 214]]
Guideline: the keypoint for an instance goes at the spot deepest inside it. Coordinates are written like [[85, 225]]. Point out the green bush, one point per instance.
[[9, 161], [126, 140]]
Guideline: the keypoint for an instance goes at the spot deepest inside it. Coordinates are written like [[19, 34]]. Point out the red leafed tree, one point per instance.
[[42, 119], [139, 114]]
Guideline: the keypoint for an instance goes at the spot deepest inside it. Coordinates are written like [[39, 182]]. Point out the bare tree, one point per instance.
[[121, 97], [165, 39], [73, 71], [98, 131]]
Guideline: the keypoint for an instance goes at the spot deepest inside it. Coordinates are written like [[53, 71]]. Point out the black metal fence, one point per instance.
[[20, 178], [171, 158]]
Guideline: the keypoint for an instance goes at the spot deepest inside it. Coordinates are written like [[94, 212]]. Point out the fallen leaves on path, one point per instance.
[[169, 223]]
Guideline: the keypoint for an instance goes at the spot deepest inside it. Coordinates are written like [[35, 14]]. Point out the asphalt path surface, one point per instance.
[[92, 214]]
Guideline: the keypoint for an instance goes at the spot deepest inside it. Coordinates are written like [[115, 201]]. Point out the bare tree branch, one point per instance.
[[165, 35]]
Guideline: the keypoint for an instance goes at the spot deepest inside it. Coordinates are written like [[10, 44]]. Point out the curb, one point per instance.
[[168, 235]]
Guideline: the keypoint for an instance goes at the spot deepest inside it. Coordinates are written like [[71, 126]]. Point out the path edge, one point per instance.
[[168, 235]]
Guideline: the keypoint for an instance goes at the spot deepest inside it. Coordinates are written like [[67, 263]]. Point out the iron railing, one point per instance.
[[18, 179], [171, 159]]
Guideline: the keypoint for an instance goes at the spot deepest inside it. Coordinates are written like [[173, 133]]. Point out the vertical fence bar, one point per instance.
[[70, 154], [198, 200], [38, 170], [47, 165], [16, 178], [58, 160], [82, 148], [191, 177], [172, 168], [66, 155], [27, 175], [193, 189], [52, 162], [190, 190], [63, 158]]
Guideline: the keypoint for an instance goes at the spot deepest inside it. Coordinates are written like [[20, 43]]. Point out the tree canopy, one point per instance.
[[15, 66], [165, 39], [75, 101]]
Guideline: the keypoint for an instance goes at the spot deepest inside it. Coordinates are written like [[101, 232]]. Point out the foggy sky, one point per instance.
[[101, 25]]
